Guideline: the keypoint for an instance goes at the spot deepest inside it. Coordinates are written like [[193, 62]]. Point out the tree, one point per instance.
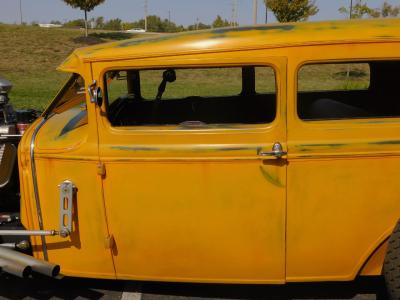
[[113, 24], [86, 6], [219, 22], [292, 10], [360, 9], [386, 11], [154, 24], [79, 23], [198, 26], [99, 22]]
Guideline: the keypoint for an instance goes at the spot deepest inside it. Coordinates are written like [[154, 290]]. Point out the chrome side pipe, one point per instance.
[[15, 268], [29, 232], [15, 261]]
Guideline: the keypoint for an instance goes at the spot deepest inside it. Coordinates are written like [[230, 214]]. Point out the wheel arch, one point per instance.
[[374, 264]]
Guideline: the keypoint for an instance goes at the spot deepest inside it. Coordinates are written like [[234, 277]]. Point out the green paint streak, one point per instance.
[[323, 145], [135, 42], [182, 149], [134, 149], [385, 36], [395, 142], [379, 121], [270, 178], [214, 34], [250, 28], [236, 149]]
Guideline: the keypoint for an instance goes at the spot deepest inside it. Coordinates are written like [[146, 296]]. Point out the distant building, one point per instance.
[[136, 30], [50, 25]]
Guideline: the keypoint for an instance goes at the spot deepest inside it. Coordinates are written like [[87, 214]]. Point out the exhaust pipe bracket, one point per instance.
[[67, 193]]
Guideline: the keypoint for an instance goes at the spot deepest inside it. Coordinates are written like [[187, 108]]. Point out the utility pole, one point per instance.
[[351, 17], [255, 5], [20, 12], [266, 13], [169, 29], [145, 14], [351, 9], [234, 13]]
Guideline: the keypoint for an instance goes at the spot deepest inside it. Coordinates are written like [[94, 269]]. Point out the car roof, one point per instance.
[[238, 38]]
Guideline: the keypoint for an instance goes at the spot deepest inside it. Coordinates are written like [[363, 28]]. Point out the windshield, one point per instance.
[[72, 94]]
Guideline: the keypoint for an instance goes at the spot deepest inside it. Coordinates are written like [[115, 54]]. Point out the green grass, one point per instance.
[[328, 77], [217, 82], [29, 57]]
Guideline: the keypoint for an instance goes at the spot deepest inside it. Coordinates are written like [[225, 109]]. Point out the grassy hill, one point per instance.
[[29, 56]]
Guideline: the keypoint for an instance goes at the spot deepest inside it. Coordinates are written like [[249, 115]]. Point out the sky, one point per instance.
[[183, 12]]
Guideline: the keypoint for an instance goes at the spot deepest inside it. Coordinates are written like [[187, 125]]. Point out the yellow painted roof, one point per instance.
[[225, 39]]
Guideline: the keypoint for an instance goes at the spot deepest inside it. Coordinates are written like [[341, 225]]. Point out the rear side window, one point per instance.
[[349, 90], [241, 95]]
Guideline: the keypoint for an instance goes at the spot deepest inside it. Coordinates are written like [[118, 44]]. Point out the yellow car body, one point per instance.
[[168, 203]]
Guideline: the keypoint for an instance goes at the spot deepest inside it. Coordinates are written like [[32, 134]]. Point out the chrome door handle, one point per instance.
[[277, 151]]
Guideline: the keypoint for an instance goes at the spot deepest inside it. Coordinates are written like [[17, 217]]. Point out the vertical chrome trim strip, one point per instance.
[[35, 185]]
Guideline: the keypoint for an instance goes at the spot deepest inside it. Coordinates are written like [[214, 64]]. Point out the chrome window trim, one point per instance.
[[35, 185]]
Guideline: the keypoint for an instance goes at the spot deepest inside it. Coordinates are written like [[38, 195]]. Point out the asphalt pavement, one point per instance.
[[75, 288]]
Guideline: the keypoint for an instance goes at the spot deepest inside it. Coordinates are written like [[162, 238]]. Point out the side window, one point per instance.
[[335, 91], [200, 96], [72, 94]]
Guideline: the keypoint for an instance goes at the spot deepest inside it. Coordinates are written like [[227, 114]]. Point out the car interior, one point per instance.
[[248, 107], [379, 100]]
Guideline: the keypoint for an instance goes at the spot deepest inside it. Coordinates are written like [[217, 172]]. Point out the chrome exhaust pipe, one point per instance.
[[37, 265], [15, 268]]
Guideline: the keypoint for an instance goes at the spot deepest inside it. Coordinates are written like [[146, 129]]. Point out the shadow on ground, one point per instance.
[[72, 288], [114, 35], [102, 37]]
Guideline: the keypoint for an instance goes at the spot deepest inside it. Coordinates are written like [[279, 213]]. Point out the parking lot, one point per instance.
[[73, 288]]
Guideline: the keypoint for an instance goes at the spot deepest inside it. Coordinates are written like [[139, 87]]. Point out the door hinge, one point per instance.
[[109, 242], [101, 169]]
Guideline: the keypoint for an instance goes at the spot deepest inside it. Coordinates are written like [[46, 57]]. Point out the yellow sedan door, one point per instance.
[[195, 183]]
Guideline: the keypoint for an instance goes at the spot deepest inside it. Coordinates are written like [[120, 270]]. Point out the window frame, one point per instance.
[[60, 94], [317, 122], [206, 127]]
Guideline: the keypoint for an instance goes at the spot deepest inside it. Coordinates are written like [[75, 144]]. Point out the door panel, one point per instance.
[[206, 221], [340, 211], [197, 204], [67, 152], [343, 176]]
